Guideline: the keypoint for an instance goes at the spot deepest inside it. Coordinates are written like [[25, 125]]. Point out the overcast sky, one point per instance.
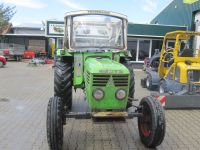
[[36, 11]]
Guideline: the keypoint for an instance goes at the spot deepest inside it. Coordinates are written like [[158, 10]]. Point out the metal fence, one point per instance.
[[13, 48]]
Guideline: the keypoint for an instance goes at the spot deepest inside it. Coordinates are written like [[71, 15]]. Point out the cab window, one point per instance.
[[170, 44]]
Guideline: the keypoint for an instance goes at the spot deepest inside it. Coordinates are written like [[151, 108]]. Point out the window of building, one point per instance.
[[132, 47], [144, 48], [156, 45]]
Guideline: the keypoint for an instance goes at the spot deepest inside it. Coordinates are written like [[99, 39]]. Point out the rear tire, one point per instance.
[[152, 123], [63, 82], [149, 83], [129, 66], [143, 83], [54, 123]]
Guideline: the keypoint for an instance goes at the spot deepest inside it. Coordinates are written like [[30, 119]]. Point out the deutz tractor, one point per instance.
[[95, 58]]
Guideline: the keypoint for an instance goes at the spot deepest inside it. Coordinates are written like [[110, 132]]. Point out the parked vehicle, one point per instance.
[[178, 71], [2, 61], [28, 54], [95, 59], [13, 51]]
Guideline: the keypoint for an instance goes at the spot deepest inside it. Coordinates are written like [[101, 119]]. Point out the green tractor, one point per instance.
[[95, 58]]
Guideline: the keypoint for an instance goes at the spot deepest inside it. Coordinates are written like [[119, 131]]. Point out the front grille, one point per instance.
[[120, 80], [100, 80], [87, 77]]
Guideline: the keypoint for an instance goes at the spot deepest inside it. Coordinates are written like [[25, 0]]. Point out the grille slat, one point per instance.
[[120, 80], [100, 80], [87, 77]]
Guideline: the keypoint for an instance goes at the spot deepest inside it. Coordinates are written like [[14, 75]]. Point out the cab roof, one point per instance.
[[182, 34], [95, 12]]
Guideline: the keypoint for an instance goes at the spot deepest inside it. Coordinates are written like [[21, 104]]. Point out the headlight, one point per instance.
[[120, 94], [98, 94]]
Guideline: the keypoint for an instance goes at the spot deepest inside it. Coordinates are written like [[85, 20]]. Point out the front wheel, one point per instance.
[[163, 87], [54, 123], [152, 123]]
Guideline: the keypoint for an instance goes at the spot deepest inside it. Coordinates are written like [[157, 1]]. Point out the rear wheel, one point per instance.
[[129, 65], [149, 83], [54, 123], [152, 123], [18, 58], [63, 82]]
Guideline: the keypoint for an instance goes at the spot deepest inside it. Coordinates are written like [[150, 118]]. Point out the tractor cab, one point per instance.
[[95, 31]]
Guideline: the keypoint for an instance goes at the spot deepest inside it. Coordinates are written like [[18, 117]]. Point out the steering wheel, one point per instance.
[[168, 57]]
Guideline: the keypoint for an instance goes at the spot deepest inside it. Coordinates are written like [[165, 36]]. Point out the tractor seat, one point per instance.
[[187, 53]]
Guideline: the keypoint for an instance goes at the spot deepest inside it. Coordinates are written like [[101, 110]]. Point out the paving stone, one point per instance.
[[23, 117]]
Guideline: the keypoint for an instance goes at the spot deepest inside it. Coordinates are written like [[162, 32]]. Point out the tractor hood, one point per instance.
[[105, 66]]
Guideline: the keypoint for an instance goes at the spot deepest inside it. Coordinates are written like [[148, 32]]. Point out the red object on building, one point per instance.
[[3, 60], [29, 54]]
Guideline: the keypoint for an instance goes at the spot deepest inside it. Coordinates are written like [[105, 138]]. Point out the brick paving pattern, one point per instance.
[[24, 94]]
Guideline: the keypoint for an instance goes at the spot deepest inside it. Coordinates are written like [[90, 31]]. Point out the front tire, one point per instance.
[[63, 82], [152, 123], [163, 87], [54, 123]]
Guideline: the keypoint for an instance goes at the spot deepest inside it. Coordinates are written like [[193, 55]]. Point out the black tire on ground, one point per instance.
[[163, 87], [149, 83], [129, 65], [18, 58], [143, 82], [54, 124], [63, 82], [152, 123]]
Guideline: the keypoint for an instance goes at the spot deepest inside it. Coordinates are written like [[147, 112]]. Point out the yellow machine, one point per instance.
[[177, 74], [179, 61]]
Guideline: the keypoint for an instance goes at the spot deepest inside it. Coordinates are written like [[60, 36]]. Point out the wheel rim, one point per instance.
[[145, 124], [161, 90], [147, 82]]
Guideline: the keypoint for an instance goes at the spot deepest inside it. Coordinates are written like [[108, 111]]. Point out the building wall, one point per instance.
[[178, 13], [30, 43], [28, 31]]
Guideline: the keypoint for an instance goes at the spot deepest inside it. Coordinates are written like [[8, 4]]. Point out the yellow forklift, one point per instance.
[[177, 76]]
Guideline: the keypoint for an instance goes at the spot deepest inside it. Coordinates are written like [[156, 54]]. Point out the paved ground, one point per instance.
[[24, 93]]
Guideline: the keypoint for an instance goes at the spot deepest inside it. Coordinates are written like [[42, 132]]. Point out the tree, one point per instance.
[[6, 13]]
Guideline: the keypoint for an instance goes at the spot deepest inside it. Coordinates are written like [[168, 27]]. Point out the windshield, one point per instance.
[[97, 31], [190, 47]]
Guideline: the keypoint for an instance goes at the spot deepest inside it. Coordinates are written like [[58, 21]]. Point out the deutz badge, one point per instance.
[[110, 82]]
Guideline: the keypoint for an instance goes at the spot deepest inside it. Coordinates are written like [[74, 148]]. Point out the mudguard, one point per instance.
[[178, 101]]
